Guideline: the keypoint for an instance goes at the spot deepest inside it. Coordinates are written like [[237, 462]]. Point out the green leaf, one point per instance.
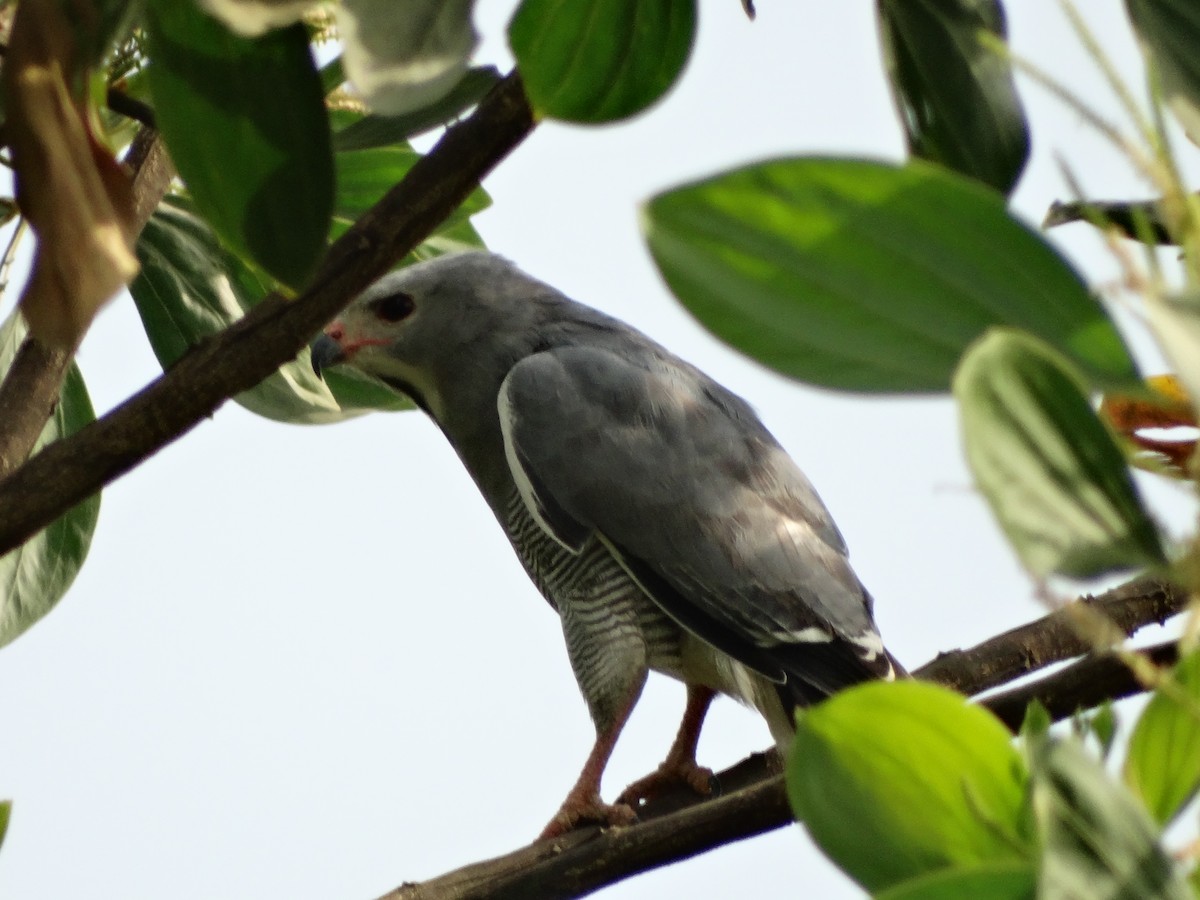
[[1163, 765], [364, 176], [867, 276], [600, 60], [382, 131], [108, 22], [190, 288], [1096, 839], [1055, 478], [5, 814], [403, 56], [956, 96], [1103, 724], [36, 575], [1169, 31], [333, 75], [1012, 881], [1037, 721], [899, 780], [246, 126]]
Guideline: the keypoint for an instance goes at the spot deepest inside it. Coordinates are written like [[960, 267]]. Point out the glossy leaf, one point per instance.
[[364, 176], [1015, 881], [1052, 473], [1163, 764], [382, 131], [867, 276], [956, 96], [245, 122], [600, 60], [36, 575], [1169, 31], [1096, 839], [189, 288], [896, 781]]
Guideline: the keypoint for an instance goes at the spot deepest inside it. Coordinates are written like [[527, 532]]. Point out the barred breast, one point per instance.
[[613, 631]]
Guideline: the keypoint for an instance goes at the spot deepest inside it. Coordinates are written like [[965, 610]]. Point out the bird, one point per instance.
[[650, 506]]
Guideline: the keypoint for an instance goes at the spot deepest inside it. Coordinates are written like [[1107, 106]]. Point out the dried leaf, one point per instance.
[[1167, 406], [74, 194]]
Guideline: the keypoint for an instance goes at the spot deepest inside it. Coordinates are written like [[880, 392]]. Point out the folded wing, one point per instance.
[[699, 502]]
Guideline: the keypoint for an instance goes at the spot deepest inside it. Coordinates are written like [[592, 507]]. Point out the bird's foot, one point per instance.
[[587, 809], [676, 770]]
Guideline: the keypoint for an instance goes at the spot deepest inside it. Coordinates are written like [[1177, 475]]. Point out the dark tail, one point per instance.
[[817, 671]]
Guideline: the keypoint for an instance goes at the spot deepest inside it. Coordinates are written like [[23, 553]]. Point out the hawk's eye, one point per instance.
[[394, 307]]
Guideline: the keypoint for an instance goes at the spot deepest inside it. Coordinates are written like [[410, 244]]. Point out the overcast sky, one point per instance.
[[303, 662]]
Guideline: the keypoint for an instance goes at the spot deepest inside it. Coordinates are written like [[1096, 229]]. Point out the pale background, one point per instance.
[[303, 662]]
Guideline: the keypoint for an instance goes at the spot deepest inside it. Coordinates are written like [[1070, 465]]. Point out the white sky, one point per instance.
[[304, 662]]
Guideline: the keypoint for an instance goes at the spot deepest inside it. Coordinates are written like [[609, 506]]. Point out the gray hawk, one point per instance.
[[650, 506]]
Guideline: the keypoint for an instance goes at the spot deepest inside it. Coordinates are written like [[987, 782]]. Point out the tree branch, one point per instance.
[[588, 859], [28, 396], [29, 392], [1080, 685], [752, 798], [273, 332], [1053, 638]]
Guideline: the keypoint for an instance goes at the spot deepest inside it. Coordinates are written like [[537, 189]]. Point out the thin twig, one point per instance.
[[1115, 82], [130, 107], [1143, 163]]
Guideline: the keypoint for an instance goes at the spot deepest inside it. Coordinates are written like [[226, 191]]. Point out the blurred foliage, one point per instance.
[[939, 69], [848, 274], [917, 794]]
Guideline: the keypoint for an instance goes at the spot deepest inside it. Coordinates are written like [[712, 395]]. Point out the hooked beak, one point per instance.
[[326, 352]]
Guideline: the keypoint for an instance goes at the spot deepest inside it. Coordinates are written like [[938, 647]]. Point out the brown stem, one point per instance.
[[28, 397], [130, 107], [273, 332], [152, 172]]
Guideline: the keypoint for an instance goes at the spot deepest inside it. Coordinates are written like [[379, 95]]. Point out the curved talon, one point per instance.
[[578, 811], [672, 773]]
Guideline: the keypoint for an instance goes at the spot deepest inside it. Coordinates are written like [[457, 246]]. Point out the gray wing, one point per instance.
[[700, 503]]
